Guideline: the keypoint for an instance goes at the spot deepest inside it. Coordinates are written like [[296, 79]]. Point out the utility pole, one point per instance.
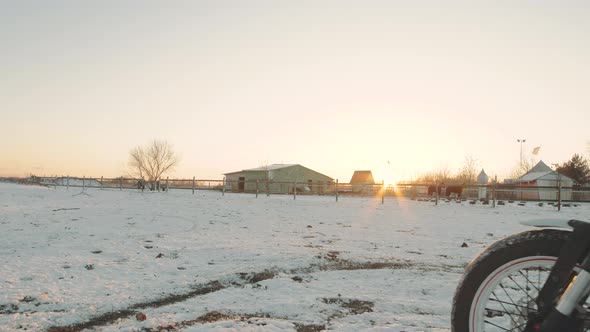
[[521, 140]]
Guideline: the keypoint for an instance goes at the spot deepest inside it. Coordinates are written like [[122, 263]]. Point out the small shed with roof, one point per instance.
[[544, 179], [279, 179], [362, 181]]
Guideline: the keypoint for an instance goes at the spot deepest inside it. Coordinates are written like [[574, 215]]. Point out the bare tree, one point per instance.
[[522, 167], [153, 160], [468, 173], [442, 174], [428, 177]]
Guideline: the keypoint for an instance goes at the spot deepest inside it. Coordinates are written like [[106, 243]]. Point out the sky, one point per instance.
[[397, 87]]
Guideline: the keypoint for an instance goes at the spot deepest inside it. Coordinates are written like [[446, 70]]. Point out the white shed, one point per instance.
[[545, 179], [482, 179]]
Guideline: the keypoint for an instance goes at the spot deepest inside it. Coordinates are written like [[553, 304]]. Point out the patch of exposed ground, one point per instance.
[[7, 309], [354, 307], [210, 287], [216, 316], [333, 262], [102, 320], [349, 306], [309, 328], [211, 317]]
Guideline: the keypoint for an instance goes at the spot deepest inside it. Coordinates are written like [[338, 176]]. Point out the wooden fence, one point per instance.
[[424, 191]]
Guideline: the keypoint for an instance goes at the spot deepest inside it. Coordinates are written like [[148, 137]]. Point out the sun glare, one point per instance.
[[388, 178]]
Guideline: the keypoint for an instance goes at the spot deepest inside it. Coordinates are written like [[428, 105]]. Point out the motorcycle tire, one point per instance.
[[516, 253]]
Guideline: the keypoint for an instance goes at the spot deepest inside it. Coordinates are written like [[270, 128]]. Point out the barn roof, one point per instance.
[[270, 167], [540, 167], [533, 176], [539, 171], [274, 167]]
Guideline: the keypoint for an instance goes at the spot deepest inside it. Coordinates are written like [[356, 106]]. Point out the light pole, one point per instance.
[[521, 140], [558, 187]]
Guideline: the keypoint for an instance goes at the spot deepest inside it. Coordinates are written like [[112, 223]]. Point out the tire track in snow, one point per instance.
[[330, 262]]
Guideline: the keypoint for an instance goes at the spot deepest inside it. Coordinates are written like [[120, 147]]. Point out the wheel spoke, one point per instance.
[[508, 312], [505, 311], [539, 277], [510, 298], [529, 281], [529, 309], [524, 290], [520, 327]]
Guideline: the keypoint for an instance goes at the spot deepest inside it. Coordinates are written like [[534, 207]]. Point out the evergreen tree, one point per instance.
[[577, 169]]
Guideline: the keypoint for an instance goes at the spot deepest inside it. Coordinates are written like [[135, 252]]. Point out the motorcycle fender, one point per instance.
[[548, 223]]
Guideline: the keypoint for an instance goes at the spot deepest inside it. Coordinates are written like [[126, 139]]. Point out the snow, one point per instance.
[[208, 262]]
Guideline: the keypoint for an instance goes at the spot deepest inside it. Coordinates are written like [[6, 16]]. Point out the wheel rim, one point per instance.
[[507, 296]]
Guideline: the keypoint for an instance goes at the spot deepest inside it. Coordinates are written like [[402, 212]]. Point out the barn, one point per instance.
[[279, 179], [541, 180]]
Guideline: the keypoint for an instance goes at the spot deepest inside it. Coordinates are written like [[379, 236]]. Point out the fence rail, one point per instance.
[[494, 192]]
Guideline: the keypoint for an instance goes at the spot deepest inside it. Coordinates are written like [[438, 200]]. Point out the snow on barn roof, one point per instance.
[[533, 176], [264, 168], [270, 167]]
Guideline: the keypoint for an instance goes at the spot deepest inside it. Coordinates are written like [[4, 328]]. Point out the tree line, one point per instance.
[[151, 161]]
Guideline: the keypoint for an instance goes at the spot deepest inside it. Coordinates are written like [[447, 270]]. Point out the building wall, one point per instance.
[[533, 192], [281, 180], [249, 183], [547, 194], [305, 179]]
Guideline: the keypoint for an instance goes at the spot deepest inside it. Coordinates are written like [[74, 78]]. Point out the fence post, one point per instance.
[[294, 189], [436, 190], [257, 181], [83, 182], [336, 189], [101, 182], [167, 187], [382, 192], [193, 185], [495, 184], [223, 187], [121, 183], [68, 182], [559, 195], [267, 186]]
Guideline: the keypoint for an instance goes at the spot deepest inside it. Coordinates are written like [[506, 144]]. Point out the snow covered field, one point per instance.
[[208, 262]]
